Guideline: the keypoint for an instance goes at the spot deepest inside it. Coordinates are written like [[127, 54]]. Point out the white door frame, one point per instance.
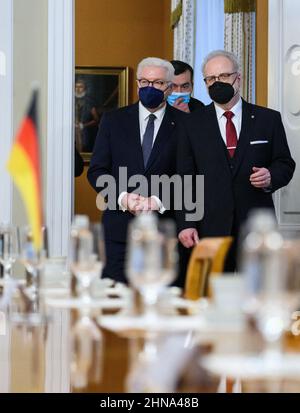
[[283, 35], [60, 159], [6, 105], [60, 141], [60, 175], [6, 136]]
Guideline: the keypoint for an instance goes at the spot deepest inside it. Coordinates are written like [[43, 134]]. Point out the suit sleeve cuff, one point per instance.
[[161, 208], [121, 196], [268, 188]]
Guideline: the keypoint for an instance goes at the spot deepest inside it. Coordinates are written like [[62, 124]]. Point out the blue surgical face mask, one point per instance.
[[185, 96], [150, 97]]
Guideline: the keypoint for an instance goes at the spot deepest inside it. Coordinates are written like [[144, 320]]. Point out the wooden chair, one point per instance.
[[208, 257]]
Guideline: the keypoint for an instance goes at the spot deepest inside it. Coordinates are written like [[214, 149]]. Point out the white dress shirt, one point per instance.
[[144, 117], [144, 114], [236, 119]]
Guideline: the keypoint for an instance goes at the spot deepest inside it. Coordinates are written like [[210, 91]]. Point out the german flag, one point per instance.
[[24, 166]]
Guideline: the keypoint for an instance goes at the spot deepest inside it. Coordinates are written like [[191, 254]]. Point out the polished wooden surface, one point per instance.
[[34, 362], [40, 359]]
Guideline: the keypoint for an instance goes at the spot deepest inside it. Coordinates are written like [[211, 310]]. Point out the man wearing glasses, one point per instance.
[[240, 148], [182, 88], [141, 138]]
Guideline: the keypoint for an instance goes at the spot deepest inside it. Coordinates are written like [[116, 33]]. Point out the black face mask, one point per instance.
[[221, 92]]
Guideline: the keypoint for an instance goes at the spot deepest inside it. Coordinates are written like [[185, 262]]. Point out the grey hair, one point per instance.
[[157, 62], [216, 53]]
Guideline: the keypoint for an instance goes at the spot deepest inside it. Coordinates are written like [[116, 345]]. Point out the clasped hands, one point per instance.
[[136, 203]]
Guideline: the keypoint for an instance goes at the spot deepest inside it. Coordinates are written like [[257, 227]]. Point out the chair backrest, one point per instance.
[[208, 257]]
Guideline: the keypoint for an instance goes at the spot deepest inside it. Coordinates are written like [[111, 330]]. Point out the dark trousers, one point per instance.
[[183, 261], [230, 264], [231, 260], [115, 261]]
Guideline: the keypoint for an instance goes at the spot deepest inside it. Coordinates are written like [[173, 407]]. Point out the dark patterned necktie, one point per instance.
[[231, 136], [148, 139]]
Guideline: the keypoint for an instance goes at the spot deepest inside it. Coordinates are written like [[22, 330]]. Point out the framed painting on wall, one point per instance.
[[97, 90]]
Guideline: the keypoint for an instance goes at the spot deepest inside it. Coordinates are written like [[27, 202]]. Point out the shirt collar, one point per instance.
[[144, 112], [236, 109]]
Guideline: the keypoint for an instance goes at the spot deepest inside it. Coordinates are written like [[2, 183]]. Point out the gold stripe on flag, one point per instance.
[[176, 14]]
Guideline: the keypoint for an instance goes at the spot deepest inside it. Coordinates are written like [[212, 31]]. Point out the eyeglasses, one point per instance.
[[184, 86], [223, 77], [158, 84]]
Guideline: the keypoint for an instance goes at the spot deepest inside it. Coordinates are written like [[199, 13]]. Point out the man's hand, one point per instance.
[[188, 237], [179, 104], [131, 202], [148, 204], [261, 177], [136, 203]]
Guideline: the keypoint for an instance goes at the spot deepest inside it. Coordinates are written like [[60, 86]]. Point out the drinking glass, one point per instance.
[[87, 258], [152, 258], [33, 260], [9, 248], [273, 297]]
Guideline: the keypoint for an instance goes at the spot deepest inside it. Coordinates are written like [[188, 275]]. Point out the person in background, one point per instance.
[[86, 118], [182, 88], [241, 150], [181, 99]]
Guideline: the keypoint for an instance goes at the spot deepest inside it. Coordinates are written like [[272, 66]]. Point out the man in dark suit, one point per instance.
[[240, 148], [182, 88], [142, 138], [181, 99]]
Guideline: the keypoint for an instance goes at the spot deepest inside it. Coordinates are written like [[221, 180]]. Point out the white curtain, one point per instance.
[[209, 36], [184, 31], [202, 26], [239, 38]]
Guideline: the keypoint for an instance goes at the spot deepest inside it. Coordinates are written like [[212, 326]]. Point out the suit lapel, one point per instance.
[[134, 135], [163, 135], [248, 119]]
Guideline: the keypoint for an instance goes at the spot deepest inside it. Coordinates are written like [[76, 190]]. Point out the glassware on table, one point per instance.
[[141, 364], [98, 241], [151, 257], [159, 364], [272, 291], [86, 350], [9, 248], [86, 262], [26, 309], [79, 222], [33, 261], [86, 259]]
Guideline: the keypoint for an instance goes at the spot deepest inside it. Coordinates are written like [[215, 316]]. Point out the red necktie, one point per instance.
[[231, 136]]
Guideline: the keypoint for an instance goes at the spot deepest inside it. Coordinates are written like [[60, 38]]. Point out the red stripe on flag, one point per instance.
[[27, 137]]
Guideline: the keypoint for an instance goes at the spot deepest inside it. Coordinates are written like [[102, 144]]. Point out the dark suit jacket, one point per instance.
[[195, 104], [118, 144], [228, 193]]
